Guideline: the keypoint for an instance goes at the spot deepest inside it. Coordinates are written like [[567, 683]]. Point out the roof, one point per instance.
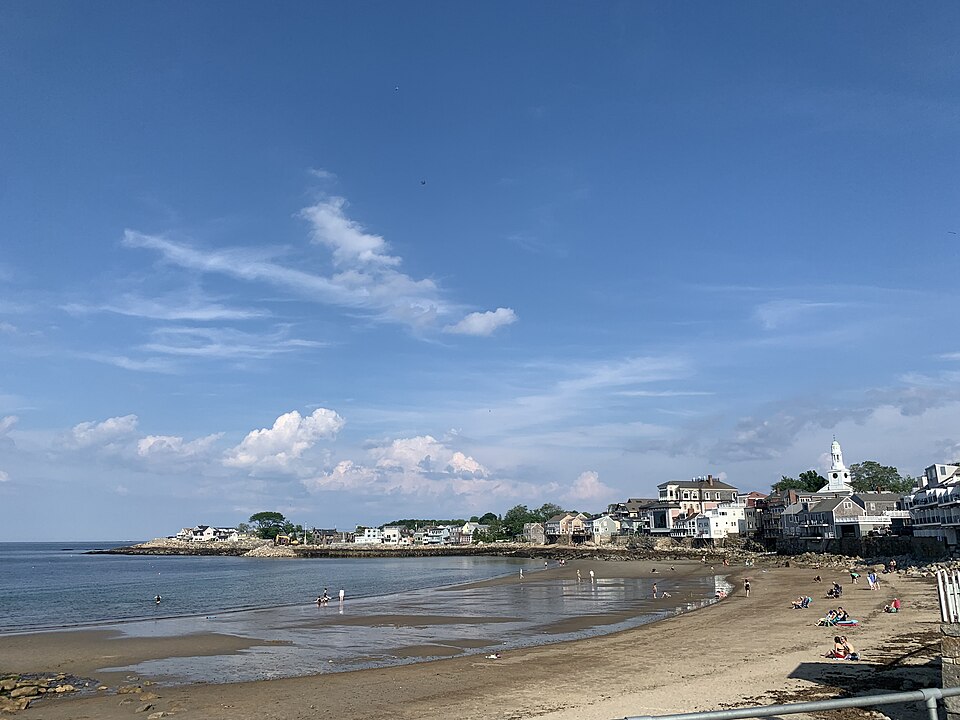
[[879, 496], [828, 505], [716, 484]]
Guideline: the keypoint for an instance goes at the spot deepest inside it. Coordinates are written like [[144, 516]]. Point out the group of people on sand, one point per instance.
[[842, 649], [834, 617]]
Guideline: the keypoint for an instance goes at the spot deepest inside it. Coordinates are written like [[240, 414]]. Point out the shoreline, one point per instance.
[[738, 651]]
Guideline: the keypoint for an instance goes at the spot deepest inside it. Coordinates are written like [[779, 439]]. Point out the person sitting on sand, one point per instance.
[[818, 579], [841, 614], [798, 603], [836, 591], [848, 652], [892, 607], [828, 620], [839, 651]]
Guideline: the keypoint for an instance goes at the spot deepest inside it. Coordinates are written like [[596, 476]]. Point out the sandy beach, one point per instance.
[[740, 651]]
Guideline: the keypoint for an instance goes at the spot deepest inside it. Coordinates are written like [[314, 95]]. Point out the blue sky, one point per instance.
[[363, 261]]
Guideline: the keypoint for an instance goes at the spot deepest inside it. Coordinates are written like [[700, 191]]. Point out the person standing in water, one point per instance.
[[521, 573], [342, 593], [157, 599], [593, 578], [578, 575]]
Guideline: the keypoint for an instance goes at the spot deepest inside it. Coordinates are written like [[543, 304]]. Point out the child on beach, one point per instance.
[[892, 607]]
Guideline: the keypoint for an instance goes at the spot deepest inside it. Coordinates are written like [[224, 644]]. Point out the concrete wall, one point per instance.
[[950, 670]]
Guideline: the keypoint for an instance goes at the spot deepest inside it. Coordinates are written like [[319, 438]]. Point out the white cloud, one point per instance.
[[588, 487], [206, 342], [6, 327], [157, 365], [321, 174], [192, 309], [350, 243], [290, 436], [7, 423], [174, 446], [483, 323], [776, 313], [121, 490], [366, 276], [420, 466], [4, 477], [93, 433]]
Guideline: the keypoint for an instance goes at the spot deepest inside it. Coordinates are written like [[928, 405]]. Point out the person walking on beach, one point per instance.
[[746, 586], [654, 591], [593, 578], [578, 575]]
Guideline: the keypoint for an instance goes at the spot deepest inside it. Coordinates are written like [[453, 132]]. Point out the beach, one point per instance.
[[739, 651]]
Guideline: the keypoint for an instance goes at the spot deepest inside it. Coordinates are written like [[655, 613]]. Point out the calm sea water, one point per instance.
[[57, 585], [51, 585]]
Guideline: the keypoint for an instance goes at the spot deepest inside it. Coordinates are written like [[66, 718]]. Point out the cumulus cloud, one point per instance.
[[588, 487], [421, 466], [483, 323], [4, 477], [290, 437], [87, 434], [174, 446]]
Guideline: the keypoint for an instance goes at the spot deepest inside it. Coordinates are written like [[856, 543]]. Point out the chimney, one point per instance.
[[710, 480]]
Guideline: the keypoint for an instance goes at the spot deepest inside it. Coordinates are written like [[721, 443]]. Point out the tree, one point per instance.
[[488, 518], [547, 511], [269, 524], [871, 476], [808, 481], [786, 483], [515, 518], [812, 480]]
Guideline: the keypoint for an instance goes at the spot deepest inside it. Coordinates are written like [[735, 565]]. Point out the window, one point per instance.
[[686, 494]]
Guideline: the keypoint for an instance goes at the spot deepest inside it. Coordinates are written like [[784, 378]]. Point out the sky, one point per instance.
[[362, 261]]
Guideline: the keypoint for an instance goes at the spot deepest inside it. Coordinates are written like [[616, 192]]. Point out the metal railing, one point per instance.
[[929, 696], [948, 591]]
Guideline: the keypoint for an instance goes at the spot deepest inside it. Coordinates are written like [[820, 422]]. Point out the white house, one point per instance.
[[719, 522], [468, 529], [206, 533], [370, 536], [437, 536], [392, 535]]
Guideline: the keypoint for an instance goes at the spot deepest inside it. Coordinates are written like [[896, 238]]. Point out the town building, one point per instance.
[[935, 506]]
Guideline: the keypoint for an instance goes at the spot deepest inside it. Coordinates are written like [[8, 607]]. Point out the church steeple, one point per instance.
[[836, 456], [838, 479]]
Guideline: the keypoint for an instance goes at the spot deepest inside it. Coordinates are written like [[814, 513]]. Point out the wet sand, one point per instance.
[[739, 651]]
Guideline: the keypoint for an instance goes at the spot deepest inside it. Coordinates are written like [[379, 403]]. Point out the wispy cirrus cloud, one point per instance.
[[193, 309], [157, 365], [366, 274], [777, 313], [225, 343]]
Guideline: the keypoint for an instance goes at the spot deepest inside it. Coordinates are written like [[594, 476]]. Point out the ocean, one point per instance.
[[47, 586]]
